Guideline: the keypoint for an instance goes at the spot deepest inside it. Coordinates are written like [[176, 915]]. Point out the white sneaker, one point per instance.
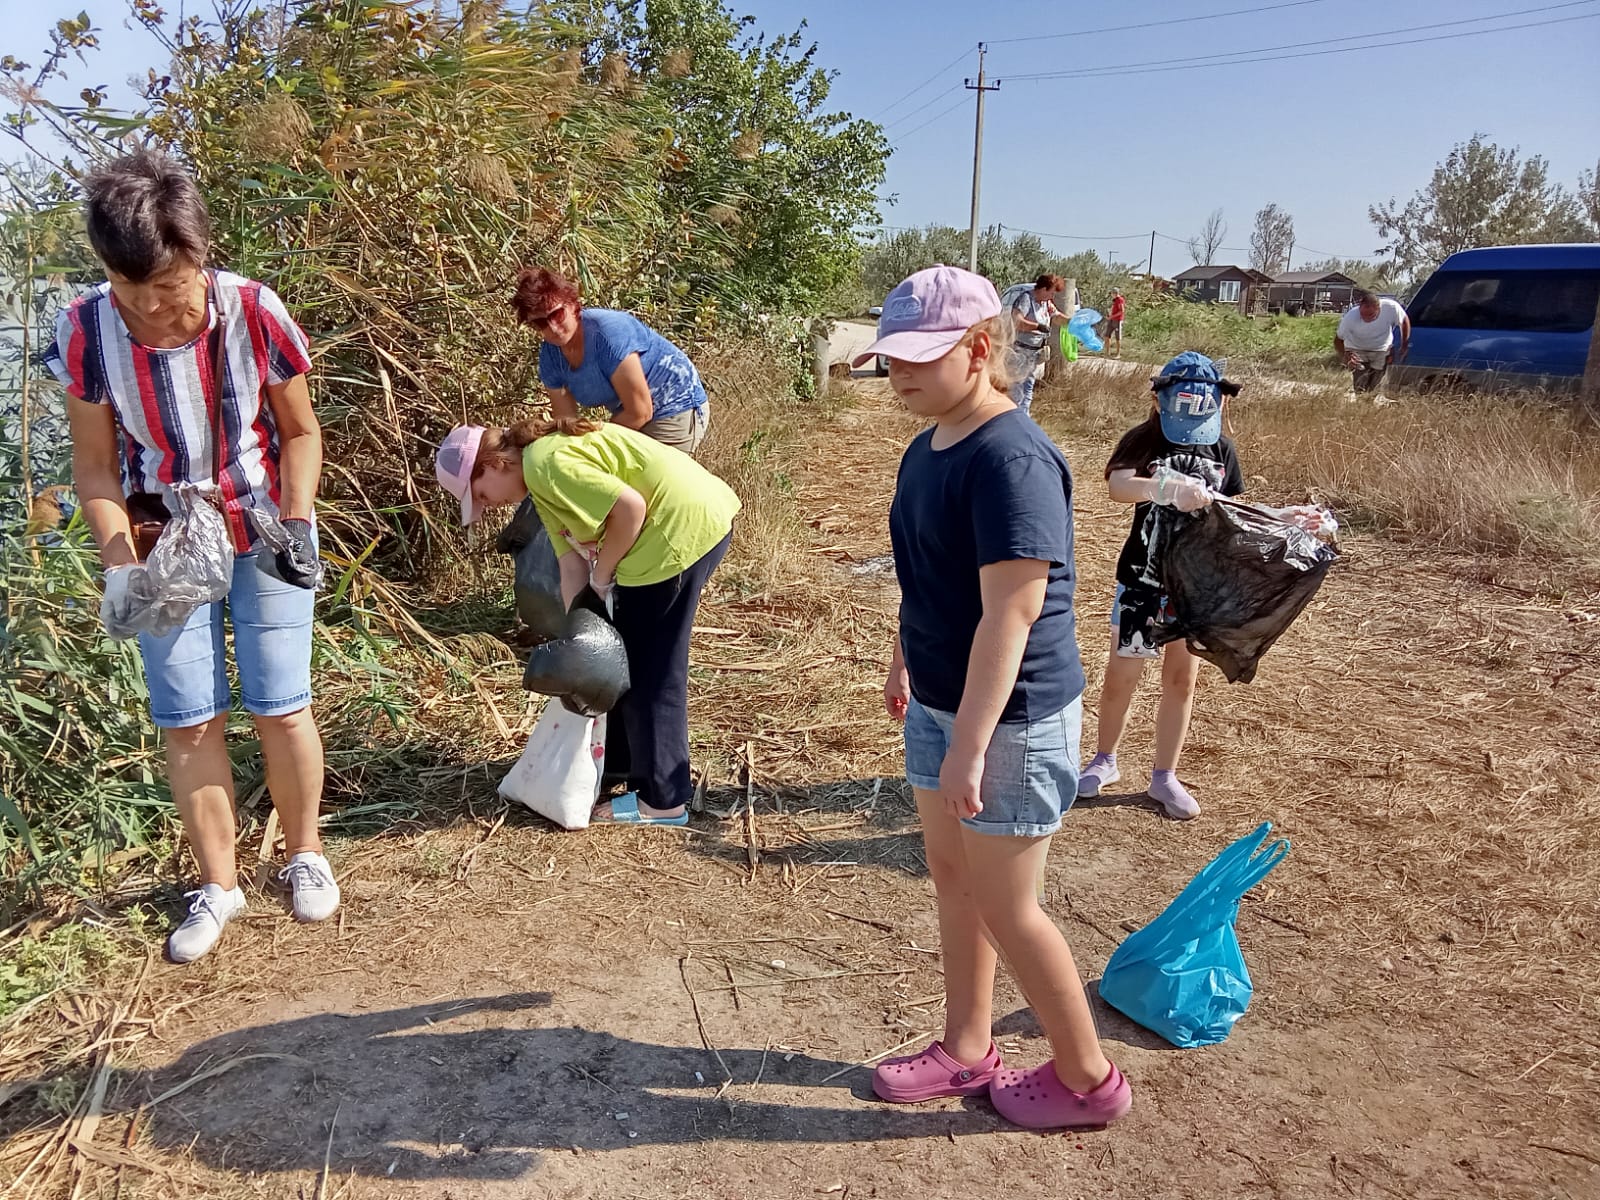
[[210, 908], [316, 895]]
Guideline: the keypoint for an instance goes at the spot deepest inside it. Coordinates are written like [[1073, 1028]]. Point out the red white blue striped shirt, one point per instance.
[[162, 396]]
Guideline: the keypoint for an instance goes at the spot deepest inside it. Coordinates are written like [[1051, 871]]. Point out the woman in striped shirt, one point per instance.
[[147, 398]]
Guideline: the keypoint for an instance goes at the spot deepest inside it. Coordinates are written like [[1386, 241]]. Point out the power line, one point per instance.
[[923, 107], [888, 107], [1076, 237], [1169, 66], [1237, 12], [943, 112], [1191, 60]]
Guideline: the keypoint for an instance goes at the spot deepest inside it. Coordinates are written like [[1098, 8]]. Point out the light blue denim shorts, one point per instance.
[[187, 670], [1030, 774]]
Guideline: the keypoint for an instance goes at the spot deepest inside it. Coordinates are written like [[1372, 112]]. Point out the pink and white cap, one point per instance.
[[452, 466], [925, 316]]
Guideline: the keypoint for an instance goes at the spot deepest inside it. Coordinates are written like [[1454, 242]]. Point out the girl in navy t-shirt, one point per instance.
[[985, 674]]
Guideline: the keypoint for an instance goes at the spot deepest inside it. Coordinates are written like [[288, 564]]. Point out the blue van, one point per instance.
[[1504, 317]]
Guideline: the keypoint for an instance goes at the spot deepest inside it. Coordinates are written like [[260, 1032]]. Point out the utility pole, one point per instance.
[[1151, 269], [977, 157]]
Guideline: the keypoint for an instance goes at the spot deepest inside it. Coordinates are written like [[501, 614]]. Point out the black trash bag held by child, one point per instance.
[[586, 667], [1236, 576], [538, 575]]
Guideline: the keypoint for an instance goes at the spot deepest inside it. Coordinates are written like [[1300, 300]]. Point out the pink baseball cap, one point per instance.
[[924, 317], [452, 466]]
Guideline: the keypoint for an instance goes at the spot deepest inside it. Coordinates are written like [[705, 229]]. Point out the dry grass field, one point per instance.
[[505, 1010]]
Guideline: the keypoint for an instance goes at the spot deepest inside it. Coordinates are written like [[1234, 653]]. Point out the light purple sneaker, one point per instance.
[[1168, 791], [1101, 771]]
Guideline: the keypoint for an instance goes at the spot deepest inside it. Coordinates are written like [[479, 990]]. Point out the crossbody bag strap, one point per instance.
[[215, 345]]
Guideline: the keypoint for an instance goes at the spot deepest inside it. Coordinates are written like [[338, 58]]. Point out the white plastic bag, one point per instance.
[[558, 775]]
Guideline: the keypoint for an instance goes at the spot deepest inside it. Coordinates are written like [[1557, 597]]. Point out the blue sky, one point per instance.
[[1115, 157]]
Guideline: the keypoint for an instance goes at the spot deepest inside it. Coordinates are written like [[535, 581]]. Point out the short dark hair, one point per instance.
[[1049, 283], [1363, 296], [143, 213]]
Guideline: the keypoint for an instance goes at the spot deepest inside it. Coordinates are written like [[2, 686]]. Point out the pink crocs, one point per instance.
[[912, 1078], [1037, 1099]]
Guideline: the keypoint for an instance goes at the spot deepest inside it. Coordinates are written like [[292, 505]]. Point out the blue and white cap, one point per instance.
[[1189, 394]]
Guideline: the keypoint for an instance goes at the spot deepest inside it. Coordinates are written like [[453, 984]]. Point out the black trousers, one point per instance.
[[647, 734]]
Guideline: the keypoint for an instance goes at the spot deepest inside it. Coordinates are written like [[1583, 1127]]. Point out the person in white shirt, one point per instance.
[[1365, 339]]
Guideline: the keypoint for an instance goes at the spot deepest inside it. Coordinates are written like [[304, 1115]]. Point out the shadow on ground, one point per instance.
[[476, 1089]]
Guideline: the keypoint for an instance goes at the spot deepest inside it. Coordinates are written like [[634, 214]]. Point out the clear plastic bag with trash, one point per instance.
[[191, 564]]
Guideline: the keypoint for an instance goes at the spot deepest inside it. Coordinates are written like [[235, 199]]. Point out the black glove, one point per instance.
[[297, 562]]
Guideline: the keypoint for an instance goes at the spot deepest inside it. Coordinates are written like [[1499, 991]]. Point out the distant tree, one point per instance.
[[1272, 240], [1006, 258], [1482, 195], [1368, 274], [1205, 244], [1589, 196]]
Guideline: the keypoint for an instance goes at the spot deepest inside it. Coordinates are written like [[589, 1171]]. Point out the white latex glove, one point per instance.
[[1183, 492], [125, 596], [1190, 495], [602, 585]]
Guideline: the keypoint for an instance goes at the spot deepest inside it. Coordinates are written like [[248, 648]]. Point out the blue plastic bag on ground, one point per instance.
[[1082, 327], [1183, 975]]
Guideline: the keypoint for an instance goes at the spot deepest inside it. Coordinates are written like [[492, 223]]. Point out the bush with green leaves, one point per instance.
[[387, 170]]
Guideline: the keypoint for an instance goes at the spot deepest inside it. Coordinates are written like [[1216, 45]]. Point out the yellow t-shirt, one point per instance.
[[575, 481]]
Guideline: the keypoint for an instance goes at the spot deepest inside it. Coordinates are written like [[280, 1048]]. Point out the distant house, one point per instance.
[[1300, 292], [1237, 287]]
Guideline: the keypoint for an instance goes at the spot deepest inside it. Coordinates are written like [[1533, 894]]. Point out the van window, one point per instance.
[[1509, 301]]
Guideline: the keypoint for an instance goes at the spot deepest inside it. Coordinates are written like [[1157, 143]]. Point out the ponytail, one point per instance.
[[508, 444]]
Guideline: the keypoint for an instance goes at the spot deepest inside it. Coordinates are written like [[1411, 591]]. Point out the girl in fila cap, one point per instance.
[[1177, 456]]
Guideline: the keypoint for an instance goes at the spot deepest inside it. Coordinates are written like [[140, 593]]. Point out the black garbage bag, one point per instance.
[[586, 667], [1236, 576], [538, 575]]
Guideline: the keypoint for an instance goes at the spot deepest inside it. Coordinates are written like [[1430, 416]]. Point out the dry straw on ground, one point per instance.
[[1423, 1022]]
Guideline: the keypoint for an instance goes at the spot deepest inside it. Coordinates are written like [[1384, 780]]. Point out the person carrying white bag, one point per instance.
[[660, 523]]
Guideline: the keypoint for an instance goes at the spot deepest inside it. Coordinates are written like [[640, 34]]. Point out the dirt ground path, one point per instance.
[[504, 1011]]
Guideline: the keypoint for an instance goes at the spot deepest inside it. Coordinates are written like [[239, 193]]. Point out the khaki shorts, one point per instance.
[[682, 431]]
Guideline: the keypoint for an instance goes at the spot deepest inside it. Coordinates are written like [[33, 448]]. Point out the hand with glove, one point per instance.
[[128, 597], [294, 555], [1182, 492]]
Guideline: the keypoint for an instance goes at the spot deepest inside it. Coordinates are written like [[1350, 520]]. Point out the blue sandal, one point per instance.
[[625, 811]]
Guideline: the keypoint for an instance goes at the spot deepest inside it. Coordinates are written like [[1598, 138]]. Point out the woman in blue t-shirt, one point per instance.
[[603, 358]]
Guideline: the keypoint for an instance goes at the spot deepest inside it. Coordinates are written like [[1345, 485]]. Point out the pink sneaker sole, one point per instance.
[[1037, 1099], [931, 1074]]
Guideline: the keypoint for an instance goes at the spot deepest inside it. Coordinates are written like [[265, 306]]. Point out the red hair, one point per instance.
[[540, 290]]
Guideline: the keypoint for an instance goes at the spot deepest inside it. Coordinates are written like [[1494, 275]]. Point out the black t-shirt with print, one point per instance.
[[1216, 466]]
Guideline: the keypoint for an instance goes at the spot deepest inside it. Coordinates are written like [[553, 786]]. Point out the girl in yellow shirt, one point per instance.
[[638, 521]]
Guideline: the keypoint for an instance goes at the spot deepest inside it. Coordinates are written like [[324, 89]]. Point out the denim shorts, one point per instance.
[[1030, 774], [186, 671]]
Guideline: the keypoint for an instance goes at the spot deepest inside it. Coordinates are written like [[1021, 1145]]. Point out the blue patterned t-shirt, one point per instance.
[[609, 336]]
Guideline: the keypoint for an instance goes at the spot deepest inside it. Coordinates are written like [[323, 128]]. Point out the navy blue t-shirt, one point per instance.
[[1003, 492]]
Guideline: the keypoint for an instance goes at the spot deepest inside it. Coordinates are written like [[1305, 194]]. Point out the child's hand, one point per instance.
[[897, 690], [961, 783]]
